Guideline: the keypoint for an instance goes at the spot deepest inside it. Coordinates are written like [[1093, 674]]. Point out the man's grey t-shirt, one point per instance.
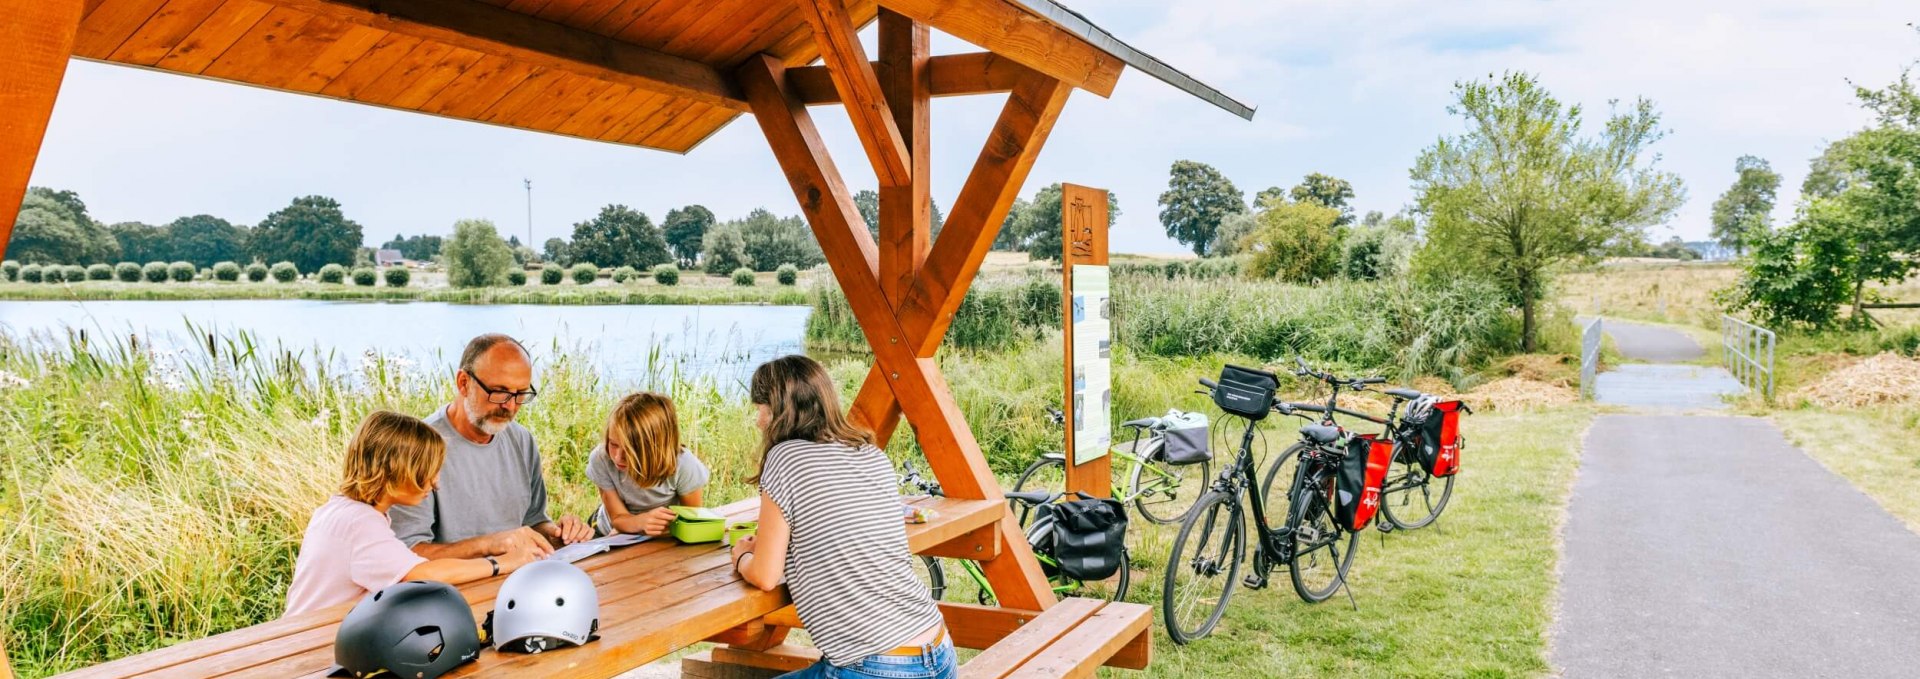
[[689, 475], [484, 488]]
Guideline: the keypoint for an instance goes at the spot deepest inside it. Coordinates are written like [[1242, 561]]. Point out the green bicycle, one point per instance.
[[932, 571], [1163, 492]]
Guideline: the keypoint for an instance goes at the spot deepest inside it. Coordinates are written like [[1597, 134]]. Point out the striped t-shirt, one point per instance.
[[848, 567]]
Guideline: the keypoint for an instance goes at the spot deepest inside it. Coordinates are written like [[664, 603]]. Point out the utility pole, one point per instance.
[[529, 184]]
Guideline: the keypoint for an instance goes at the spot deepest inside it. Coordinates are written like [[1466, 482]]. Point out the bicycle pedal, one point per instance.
[[1254, 582]]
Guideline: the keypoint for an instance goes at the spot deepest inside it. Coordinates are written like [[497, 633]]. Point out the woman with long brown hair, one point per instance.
[[831, 528]]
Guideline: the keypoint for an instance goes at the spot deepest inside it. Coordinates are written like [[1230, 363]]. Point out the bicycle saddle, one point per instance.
[[1142, 423], [1402, 394], [1318, 433], [1031, 497]]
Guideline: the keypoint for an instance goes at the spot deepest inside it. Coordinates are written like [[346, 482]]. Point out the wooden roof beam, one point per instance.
[[1002, 28], [952, 75], [505, 33], [859, 87]]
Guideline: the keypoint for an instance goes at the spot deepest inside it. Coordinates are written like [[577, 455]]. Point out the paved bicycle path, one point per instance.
[[1660, 384], [1709, 546]]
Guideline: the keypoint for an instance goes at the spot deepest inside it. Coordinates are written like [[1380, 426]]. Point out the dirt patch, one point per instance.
[[1558, 369], [1884, 379], [1519, 394]]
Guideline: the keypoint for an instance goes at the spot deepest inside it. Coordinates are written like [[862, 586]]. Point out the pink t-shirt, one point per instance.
[[349, 550]]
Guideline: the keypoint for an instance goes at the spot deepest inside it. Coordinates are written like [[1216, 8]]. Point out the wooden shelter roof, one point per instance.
[[650, 73]]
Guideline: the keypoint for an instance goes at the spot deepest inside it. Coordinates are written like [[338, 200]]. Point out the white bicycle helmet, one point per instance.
[[1419, 409], [543, 606]]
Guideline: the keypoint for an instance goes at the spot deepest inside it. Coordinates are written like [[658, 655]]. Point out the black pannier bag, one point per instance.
[[1247, 392], [1089, 536], [1357, 483], [1184, 441]]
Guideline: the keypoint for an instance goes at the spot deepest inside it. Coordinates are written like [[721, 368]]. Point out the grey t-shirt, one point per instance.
[[484, 489], [689, 475]]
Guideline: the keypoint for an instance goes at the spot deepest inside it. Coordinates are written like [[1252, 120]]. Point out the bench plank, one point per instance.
[[1083, 649], [1001, 659]]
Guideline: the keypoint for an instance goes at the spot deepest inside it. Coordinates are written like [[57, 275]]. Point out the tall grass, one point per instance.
[[152, 497], [995, 315]]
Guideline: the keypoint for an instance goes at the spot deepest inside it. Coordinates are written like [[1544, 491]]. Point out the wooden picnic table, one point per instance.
[[655, 598]]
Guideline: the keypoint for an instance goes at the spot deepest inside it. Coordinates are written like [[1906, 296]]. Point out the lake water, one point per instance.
[[722, 342]]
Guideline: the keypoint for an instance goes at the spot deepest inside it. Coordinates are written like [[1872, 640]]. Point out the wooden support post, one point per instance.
[[36, 38], [1003, 165], [859, 89], [1084, 220], [906, 211], [952, 451]]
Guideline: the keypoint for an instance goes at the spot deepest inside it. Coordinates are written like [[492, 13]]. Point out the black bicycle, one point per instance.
[[1411, 497], [1205, 563]]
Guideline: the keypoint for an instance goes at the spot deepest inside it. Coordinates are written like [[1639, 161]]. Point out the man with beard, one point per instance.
[[491, 497]]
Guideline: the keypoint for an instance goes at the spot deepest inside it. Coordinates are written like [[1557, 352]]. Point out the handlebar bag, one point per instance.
[[1185, 438], [1247, 392], [1357, 485], [1089, 537], [1439, 439]]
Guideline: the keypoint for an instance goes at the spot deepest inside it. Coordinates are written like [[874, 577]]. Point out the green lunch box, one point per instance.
[[740, 530], [696, 524]]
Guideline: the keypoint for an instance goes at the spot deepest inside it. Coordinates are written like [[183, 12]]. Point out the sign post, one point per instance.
[[1088, 335]]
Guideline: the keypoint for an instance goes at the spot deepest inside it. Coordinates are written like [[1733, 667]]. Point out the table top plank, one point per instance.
[[656, 597]]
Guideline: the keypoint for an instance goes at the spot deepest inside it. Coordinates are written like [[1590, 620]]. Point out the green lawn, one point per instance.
[[1876, 449]]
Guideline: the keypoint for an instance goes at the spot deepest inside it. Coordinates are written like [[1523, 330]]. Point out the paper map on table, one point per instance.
[[582, 550]]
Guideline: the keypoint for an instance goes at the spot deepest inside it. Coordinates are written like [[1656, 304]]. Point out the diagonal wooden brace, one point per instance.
[[1003, 166], [828, 206], [36, 38], [859, 89]]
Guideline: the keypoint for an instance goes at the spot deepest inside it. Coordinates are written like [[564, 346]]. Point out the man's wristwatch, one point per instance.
[[495, 563]]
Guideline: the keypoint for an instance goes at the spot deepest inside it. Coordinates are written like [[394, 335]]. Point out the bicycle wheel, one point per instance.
[[1157, 488], [1319, 565], [929, 571], [1203, 567], [1277, 488], [1412, 498], [1046, 473]]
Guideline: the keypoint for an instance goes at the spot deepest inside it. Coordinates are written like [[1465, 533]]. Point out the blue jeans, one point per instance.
[[936, 661]]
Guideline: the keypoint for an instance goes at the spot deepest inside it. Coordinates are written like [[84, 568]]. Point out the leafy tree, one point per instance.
[[422, 248], [1198, 197], [332, 273], [787, 274], [226, 271], [868, 202], [1297, 242], [53, 227], [516, 277], [584, 273], [552, 274], [154, 272], [399, 277], [666, 274], [685, 229], [1042, 223], [311, 233], [724, 249], [743, 277], [618, 236], [1673, 248], [476, 257], [182, 272], [127, 272], [205, 239], [284, 272], [1272, 195], [1011, 237], [1519, 192], [556, 251], [256, 272], [1331, 192], [99, 272], [1747, 207], [1233, 233], [142, 242], [771, 241]]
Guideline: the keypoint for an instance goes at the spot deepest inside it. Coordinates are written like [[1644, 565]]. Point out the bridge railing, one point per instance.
[[1589, 357], [1747, 350]]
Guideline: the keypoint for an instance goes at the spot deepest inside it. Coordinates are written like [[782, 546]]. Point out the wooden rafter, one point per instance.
[[953, 453], [853, 77], [1000, 27], [970, 229], [906, 211], [35, 40], [950, 75], [502, 32]]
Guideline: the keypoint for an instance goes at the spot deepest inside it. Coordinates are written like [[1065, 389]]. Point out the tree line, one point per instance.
[[54, 227]]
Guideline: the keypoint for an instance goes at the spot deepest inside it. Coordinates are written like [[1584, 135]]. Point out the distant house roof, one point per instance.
[[386, 256], [652, 73]]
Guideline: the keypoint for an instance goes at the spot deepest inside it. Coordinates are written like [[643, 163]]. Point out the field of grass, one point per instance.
[[1677, 293], [1878, 449]]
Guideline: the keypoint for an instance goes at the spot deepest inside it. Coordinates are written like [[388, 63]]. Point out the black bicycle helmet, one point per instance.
[[416, 630]]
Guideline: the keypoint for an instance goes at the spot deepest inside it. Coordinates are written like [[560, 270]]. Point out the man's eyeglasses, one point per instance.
[[501, 396]]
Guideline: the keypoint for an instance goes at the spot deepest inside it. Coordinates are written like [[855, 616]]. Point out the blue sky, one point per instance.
[[1354, 89]]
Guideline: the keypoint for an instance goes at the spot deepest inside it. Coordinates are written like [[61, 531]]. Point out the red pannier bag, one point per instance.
[[1357, 487], [1440, 440]]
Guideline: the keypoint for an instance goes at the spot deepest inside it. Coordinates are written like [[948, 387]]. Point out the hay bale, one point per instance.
[[1519, 394], [1885, 379]]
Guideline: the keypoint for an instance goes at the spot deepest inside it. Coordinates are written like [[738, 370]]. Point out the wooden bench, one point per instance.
[[655, 598], [1070, 639]]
